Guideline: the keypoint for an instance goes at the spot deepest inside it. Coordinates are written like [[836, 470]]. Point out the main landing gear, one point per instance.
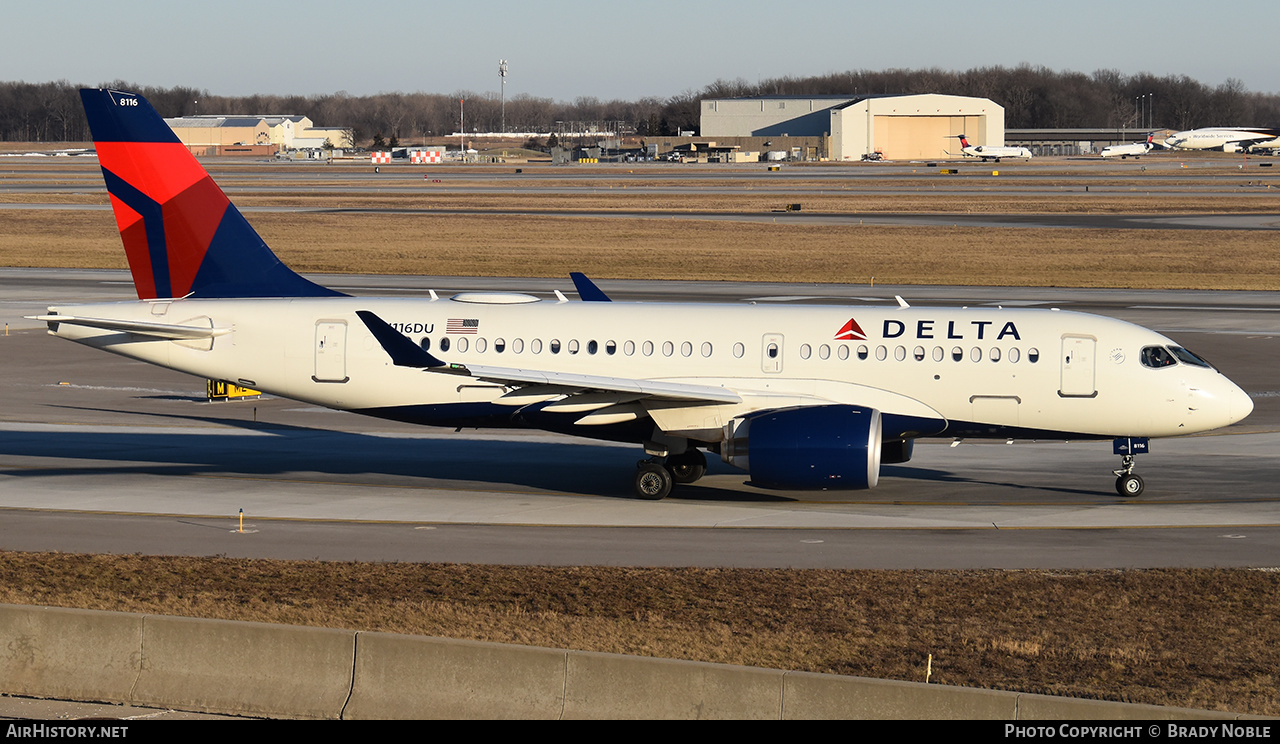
[[656, 476], [1129, 483]]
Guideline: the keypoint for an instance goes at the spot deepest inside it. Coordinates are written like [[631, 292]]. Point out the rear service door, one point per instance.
[[331, 351]]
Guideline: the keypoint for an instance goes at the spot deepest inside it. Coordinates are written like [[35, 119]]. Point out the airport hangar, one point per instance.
[[898, 127]]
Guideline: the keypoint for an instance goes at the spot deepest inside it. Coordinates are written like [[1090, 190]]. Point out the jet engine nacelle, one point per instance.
[[1233, 147], [814, 447]]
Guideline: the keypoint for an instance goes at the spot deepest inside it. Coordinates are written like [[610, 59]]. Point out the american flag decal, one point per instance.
[[462, 325]]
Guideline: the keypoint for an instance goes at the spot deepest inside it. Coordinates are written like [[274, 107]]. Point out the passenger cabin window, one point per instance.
[[1156, 357], [444, 344]]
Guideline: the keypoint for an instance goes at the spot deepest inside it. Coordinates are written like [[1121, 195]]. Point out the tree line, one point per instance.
[[1033, 98]]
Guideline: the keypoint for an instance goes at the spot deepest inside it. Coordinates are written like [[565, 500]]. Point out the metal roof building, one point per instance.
[[911, 127]]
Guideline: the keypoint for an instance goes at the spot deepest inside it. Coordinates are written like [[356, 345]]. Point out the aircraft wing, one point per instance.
[[170, 331], [572, 383], [548, 384]]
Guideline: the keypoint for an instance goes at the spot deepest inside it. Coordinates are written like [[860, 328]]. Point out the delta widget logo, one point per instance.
[[851, 331]]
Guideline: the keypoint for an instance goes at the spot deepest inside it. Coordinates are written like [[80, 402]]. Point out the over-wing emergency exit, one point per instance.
[[800, 397]]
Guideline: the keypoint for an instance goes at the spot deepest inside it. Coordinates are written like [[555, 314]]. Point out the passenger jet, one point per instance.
[[815, 397], [1133, 150], [990, 153], [1227, 139]]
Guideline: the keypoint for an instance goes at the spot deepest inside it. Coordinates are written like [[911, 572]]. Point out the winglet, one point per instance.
[[587, 289], [403, 352]]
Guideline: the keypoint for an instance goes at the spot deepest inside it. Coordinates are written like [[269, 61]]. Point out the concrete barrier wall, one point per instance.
[[71, 654], [284, 671], [252, 668]]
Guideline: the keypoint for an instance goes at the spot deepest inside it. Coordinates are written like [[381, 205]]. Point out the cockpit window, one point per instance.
[[1186, 357], [1156, 357]]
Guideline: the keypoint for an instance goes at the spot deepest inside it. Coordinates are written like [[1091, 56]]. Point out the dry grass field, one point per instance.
[[622, 248], [416, 233], [1198, 638]]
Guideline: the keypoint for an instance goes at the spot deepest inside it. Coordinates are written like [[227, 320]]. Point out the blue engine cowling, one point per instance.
[[814, 447]]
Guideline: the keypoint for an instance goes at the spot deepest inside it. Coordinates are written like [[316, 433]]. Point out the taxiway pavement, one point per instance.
[[103, 454]]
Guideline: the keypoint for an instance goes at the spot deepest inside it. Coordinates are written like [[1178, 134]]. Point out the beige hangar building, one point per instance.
[[898, 127]]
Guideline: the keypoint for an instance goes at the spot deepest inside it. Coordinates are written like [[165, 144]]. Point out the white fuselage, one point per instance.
[[1215, 138], [957, 371], [1133, 149], [985, 152]]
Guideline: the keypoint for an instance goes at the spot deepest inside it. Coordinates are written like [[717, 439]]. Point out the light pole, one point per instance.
[[502, 74]]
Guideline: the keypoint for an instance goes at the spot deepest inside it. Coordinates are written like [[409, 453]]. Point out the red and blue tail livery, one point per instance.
[[181, 234]]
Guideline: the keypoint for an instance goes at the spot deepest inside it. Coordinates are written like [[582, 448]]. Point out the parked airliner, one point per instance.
[[814, 397], [1226, 139], [990, 152]]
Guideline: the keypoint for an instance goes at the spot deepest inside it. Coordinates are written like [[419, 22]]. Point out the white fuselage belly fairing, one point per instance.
[[1011, 371]]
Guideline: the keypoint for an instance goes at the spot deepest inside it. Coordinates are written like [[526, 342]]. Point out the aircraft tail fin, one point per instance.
[[181, 234]]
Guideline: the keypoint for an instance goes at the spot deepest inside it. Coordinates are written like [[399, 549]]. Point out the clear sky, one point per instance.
[[563, 49]]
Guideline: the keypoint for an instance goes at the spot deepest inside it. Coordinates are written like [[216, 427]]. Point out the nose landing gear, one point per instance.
[[1129, 483]]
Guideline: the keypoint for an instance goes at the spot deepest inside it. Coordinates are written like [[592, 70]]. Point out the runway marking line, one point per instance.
[[419, 524]]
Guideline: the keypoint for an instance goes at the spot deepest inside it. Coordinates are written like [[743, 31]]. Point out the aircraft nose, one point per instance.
[[1239, 404]]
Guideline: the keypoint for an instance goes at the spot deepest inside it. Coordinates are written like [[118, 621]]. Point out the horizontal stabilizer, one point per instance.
[[139, 328]]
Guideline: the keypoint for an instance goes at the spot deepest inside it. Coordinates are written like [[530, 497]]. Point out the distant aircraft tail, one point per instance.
[[180, 232], [963, 142]]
